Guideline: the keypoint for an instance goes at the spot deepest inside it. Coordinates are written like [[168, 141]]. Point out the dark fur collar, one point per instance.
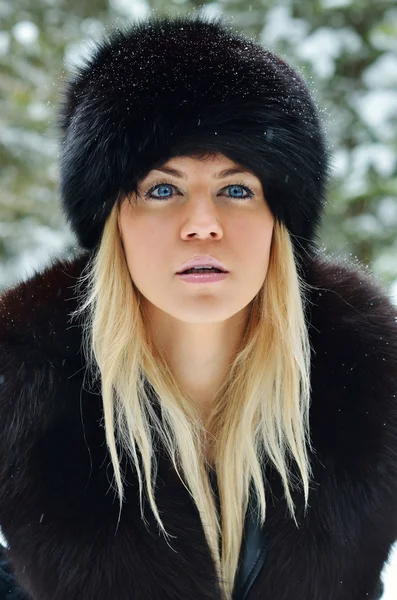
[[58, 465], [353, 332]]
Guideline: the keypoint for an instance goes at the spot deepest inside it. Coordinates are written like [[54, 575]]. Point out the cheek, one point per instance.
[[130, 235], [259, 245], [255, 237], [143, 249]]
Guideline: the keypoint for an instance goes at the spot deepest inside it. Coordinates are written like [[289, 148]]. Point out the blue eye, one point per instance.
[[161, 187], [241, 187]]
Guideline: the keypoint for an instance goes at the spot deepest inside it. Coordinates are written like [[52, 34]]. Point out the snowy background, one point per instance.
[[347, 51]]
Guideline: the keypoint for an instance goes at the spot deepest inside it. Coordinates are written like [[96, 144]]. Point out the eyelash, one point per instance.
[[155, 185]]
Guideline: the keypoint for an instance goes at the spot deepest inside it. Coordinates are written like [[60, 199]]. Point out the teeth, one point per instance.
[[209, 268]]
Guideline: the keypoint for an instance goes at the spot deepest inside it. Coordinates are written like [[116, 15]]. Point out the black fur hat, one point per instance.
[[169, 86]]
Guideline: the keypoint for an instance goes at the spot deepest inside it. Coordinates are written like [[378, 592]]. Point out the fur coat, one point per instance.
[[60, 517]]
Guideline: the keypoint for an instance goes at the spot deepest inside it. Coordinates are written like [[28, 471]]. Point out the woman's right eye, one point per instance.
[[160, 187]]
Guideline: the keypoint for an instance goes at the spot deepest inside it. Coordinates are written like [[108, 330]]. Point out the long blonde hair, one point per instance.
[[260, 413]]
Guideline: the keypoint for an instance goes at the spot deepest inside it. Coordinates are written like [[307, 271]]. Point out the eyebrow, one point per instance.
[[220, 175]]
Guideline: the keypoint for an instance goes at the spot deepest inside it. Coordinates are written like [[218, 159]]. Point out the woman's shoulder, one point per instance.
[[353, 335], [338, 283], [349, 308], [39, 348], [34, 310]]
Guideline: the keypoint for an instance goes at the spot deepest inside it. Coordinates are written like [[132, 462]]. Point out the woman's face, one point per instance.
[[197, 210]]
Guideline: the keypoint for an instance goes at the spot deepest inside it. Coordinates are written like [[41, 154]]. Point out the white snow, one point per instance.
[[280, 26], [363, 227], [386, 210], [382, 158], [382, 36], [322, 47], [21, 140], [4, 42], [75, 53], [340, 161], [211, 10], [91, 27], [335, 3], [135, 9], [389, 576], [3, 540], [377, 108], [37, 245], [382, 73], [38, 111], [393, 293], [26, 32]]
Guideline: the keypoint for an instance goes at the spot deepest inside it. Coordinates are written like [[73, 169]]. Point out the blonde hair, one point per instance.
[[260, 413]]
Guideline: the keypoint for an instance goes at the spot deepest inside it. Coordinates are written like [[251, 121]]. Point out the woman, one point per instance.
[[230, 434]]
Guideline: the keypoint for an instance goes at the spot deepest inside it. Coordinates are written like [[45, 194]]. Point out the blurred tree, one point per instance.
[[345, 49], [36, 41]]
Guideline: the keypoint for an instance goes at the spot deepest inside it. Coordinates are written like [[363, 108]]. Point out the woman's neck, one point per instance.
[[198, 355]]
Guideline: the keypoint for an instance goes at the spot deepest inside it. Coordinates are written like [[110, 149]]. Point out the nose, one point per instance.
[[201, 219]]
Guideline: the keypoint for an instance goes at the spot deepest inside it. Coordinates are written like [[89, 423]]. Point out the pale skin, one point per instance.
[[198, 326]]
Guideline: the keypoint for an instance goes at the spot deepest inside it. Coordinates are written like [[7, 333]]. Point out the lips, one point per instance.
[[199, 270], [202, 261]]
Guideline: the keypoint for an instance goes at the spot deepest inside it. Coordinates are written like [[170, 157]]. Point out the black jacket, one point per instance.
[[60, 517]]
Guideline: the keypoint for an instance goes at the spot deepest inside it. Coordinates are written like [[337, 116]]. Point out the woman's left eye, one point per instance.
[[233, 188], [248, 190]]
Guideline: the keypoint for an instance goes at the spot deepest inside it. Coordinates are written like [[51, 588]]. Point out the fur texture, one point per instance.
[[167, 86], [60, 516]]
